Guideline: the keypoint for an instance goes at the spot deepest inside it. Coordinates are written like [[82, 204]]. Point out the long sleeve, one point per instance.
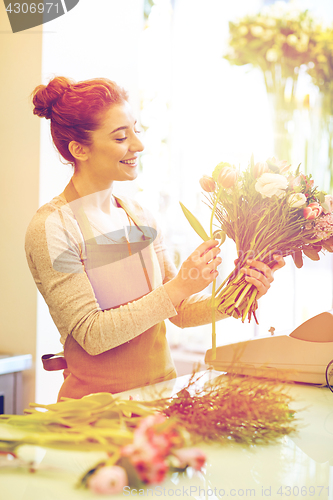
[[69, 294], [194, 310]]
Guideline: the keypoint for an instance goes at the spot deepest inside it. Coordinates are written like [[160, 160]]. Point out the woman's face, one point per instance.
[[113, 154]]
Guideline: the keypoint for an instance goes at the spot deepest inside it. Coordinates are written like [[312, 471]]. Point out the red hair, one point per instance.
[[75, 109]]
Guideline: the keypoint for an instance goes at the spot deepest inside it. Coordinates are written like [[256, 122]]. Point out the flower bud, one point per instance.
[[259, 169], [227, 177], [207, 183], [296, 200], [312, 211]]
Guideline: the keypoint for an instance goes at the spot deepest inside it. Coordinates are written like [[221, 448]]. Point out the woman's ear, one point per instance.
[[79, 151]]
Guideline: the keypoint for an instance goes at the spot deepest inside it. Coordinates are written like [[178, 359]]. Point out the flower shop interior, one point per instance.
[[209, 82], [196, 109]]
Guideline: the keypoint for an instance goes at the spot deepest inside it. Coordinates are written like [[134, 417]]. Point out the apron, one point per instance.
[[128, 269]]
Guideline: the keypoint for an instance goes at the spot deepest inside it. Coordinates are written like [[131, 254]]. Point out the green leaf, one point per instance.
[[321, 198], [311, 253], [220, 235], [195, 223]]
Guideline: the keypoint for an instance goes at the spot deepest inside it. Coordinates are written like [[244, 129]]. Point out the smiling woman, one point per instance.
[[107, 290]]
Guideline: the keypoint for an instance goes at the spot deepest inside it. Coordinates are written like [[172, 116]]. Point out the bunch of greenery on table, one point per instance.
[[146, 440]]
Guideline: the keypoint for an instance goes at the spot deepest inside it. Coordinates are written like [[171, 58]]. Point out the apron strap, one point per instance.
[[52, 362], [72, 195]]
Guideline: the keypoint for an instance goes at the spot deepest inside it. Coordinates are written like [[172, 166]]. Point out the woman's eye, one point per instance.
[[121, 139], [137, 131]]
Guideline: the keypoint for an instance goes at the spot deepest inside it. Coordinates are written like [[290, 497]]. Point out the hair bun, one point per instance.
[[45, 96]]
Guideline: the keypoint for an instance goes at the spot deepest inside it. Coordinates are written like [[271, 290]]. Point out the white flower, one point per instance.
[[296, 200], [270, 23], [269, 185], [243, 30], [272, 55], [328, 204], [268, 35], [292, 40], [257, 30]]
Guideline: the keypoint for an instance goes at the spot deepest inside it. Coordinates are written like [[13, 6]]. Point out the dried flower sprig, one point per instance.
[[246, 410]]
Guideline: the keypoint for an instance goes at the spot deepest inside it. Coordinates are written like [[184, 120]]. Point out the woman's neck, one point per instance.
[[95, 195]]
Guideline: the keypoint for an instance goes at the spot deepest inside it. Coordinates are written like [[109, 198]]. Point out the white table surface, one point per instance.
[[276, 471]]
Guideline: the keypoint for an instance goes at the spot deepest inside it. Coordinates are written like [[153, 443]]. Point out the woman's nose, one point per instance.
[[136, 144]]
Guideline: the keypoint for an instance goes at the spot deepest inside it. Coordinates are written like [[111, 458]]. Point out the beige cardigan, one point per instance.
[[69, 295]]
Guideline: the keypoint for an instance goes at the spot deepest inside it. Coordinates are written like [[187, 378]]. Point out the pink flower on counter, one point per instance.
[[152, 472], [259, 169], [207, 183], [192, 457], [312, 211], [153, 440], [227, 177], [108, 480]]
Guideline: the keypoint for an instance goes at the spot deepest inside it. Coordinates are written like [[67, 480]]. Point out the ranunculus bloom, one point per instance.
[[108, 480], [227, 177], [193, 457], [328, 203], [269, 185], [312, 211], [296, 200], [259, 169], [207, 184]]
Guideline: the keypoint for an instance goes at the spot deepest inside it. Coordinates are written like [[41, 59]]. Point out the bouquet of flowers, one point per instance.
[[266, 210]]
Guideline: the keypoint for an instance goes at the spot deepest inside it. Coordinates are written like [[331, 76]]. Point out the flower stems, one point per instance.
[[214, 282]]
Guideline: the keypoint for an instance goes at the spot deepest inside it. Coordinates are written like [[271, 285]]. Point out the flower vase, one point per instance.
[[327, 133], [282, 112]]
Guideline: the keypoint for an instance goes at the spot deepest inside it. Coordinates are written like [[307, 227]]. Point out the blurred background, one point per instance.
[[209, 82]]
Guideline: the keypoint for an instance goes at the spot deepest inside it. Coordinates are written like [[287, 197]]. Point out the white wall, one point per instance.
[[20, 72], [95, 39]]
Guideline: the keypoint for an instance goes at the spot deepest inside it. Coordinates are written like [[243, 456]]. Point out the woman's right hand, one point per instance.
[[196, 272]]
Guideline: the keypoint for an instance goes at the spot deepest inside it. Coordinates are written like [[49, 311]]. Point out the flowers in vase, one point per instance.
[[277, 35]]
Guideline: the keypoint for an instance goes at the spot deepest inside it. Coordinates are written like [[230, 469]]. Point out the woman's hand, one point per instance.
[[260, 275], [196, 272]]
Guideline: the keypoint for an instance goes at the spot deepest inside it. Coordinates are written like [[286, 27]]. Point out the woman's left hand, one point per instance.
[[260, 275]]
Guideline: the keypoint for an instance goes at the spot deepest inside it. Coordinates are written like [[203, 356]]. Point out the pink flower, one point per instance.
[[207, 183], [151, 472], [144, 452], [227, 177], [324, 226], [259, 169], [312, 211], [193, 457], [108, 480], [282, 165], [153, 440]]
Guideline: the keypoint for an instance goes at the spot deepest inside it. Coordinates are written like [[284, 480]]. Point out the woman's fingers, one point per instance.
[[260, 275], [199, 269], [280, 262]]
